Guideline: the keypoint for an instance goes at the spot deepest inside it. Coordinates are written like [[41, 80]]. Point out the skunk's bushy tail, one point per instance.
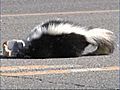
[[101, 38]]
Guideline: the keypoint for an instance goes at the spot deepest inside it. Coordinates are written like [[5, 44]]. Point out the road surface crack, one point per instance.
[[62, 83]]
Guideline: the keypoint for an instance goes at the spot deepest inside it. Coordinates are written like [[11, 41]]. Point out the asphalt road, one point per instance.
[[18, 17]]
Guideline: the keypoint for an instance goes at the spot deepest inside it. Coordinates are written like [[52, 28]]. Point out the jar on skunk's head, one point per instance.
[[13, 48]]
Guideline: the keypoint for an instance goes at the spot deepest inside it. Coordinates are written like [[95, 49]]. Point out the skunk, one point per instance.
[[60, 39]]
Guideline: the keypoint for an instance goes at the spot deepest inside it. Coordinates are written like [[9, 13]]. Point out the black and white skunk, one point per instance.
[[60, 39]]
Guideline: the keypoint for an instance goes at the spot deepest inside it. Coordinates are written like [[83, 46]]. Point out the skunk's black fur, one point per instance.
[[62, 39]]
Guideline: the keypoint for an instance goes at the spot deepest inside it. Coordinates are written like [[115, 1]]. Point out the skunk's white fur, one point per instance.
[[78, 38], [62, 28], [102, 38], [92, 35]]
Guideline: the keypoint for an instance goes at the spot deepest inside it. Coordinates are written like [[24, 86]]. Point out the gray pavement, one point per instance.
[[61, 73], [30, 6]]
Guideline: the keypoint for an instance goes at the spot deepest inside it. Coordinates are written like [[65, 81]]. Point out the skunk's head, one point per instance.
[[13, 48]]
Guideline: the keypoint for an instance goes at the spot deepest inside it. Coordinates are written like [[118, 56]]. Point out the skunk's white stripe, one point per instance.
[[66, 29], [91, 35], [56, 30]]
